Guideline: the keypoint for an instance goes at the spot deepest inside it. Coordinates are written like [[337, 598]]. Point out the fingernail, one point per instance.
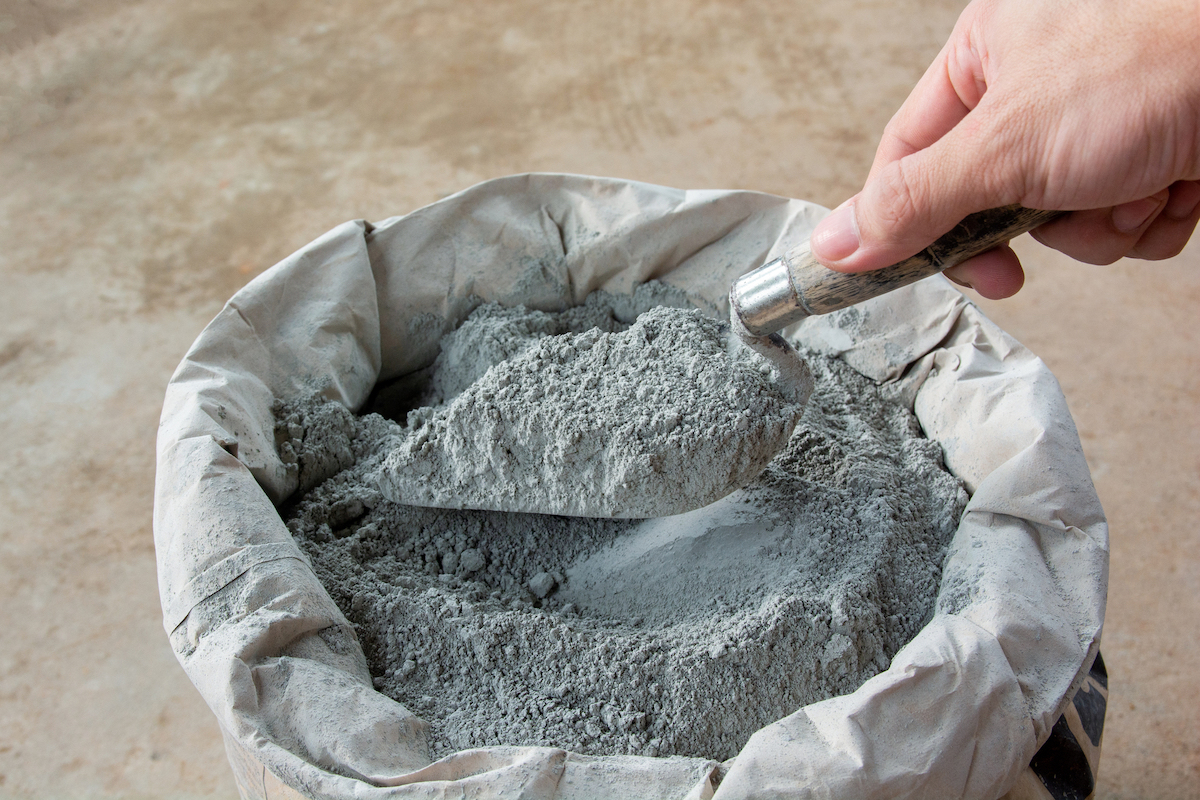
[[836, 236], [1128, 217], [955, 279]]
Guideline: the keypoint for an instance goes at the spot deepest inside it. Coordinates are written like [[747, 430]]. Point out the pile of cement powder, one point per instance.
[[669, 415], [680, 635]]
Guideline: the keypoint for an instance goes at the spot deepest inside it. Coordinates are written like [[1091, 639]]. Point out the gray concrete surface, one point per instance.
[[156, 156]]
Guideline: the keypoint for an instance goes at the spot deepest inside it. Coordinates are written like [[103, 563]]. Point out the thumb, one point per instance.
[[907, 204]]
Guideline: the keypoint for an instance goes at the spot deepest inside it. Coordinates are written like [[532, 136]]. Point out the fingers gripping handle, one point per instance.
[[797, 285], [823, 290]]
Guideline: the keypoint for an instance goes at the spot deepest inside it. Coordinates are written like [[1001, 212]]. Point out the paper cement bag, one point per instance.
[[961, 711]]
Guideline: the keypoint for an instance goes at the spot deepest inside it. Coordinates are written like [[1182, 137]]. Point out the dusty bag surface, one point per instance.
[[1017, 618]]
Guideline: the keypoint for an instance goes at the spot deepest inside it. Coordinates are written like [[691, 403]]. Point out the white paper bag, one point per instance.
[[959, 713]]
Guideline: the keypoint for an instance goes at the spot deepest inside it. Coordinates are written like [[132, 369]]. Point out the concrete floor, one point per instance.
[[154, 156]]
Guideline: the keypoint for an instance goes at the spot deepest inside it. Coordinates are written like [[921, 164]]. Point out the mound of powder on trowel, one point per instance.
[[681, 635], [669, 415]]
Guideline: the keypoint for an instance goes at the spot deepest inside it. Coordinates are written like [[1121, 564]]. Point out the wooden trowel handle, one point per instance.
[[822, 290]]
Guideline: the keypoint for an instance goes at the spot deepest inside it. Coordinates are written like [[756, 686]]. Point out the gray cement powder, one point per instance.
[[669, 415], [679, 635]]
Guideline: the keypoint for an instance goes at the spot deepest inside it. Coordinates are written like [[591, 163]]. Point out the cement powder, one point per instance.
[[680, 635], [669, 415]]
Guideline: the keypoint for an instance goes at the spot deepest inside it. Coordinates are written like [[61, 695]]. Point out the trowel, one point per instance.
[[762, 303], [788, 289], [671, 414]]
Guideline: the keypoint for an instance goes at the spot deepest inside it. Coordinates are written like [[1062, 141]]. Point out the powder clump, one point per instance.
[[679, 635], [665, 416]]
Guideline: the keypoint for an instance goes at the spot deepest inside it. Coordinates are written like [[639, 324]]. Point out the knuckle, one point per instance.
[[1165, 238], [1157, 249], [898, 201]]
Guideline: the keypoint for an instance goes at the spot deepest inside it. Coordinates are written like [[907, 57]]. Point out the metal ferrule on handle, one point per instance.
[[796, 286], [765, 299]]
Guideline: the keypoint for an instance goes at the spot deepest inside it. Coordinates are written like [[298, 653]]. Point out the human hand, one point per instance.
[[1092, 107]]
